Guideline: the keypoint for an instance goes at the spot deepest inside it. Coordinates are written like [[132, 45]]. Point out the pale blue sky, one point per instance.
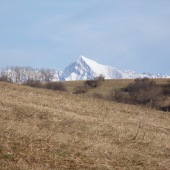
[[125, 34]]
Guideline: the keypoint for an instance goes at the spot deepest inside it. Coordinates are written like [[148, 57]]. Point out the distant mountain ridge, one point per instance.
[[84, 69]]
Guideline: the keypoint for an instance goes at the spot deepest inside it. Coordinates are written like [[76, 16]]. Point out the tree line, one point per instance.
[[23, 74]]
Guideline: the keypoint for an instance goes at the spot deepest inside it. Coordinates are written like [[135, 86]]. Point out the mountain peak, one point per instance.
[[90, 63], [81, 57], [85, 69]]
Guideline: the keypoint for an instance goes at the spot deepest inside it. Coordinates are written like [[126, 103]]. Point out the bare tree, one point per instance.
[[22, 74]]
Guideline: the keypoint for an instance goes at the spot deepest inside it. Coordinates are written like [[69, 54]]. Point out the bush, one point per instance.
[[144, 91], [91, 83], [165, 108], [80, 89], [5, 78], [166, 89], [55, 86], [98, 96], [33, 83], [94, 83], [100, 78], [119, 96], [48, 85], [122, 97]]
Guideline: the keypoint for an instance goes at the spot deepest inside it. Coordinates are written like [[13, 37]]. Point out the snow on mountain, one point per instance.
[[82, 69], [85, 69]]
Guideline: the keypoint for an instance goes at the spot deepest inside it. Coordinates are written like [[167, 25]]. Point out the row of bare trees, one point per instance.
[[23, 74]]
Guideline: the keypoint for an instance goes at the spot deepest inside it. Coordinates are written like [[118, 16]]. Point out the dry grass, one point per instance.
[[45, 129], [107, 85]]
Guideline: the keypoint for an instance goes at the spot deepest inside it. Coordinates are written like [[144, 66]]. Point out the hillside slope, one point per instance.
[[43, 129], [107, 86]]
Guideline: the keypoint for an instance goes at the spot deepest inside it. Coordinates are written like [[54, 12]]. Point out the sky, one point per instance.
[[124, 34]]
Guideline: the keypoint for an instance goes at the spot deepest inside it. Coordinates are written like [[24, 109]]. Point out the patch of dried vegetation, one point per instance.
[[44, 129]]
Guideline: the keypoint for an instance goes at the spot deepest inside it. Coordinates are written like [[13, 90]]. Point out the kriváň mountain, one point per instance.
[[84, 69]]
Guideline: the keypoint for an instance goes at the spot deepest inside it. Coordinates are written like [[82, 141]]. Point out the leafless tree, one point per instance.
[[22, 74]]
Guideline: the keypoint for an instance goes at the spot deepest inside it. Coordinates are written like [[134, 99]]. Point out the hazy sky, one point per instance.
[[125, 34]]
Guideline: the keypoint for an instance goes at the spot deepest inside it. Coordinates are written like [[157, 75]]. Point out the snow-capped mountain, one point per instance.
[[82, 69], [85, 68]]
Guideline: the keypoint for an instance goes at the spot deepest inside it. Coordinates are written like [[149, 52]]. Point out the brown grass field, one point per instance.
[[108, 85], [44, 129]]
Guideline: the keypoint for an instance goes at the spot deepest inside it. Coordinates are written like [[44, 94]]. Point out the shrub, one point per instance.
[[91, 83], [94, 83], [5, 78], [33, 83], [98, 96], [165, 108], [59, 86], [50, 85], [80, 89], [122, 97], [119, 96], [166, 89], [100, 78], [144, 91], [55, 86]]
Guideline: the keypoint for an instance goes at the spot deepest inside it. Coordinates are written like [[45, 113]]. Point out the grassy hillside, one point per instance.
[[103, 89], [45, 129], [108, 85]]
